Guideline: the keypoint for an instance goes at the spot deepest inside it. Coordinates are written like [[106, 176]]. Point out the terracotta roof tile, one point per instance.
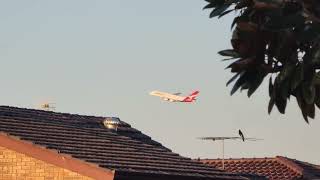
[[127, 150], [278, 168]]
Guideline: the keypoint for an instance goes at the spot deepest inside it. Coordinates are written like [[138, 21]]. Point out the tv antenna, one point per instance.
[[241, 137]]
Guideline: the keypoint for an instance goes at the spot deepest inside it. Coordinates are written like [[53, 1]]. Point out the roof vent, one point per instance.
[[47, 106], [112, 123]]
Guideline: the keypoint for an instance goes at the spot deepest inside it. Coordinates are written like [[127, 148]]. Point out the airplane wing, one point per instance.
[[177, 94]]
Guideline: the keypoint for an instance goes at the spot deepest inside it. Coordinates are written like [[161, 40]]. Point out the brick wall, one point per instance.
[[17, 166]]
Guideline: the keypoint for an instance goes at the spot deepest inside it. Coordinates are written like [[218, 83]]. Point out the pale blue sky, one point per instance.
[[103, 57]]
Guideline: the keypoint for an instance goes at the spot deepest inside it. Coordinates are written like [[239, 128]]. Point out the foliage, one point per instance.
[[276, 37]]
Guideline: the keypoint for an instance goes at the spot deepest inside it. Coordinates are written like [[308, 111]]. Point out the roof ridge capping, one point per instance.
[[96, 118], [53, 112]]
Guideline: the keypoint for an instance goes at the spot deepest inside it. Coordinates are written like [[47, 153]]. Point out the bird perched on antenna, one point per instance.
[[241, 135]]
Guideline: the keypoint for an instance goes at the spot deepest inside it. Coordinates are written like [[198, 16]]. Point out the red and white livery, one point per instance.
[[175, 97]]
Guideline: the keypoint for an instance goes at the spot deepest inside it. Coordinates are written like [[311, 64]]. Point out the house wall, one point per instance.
[[17, 166]]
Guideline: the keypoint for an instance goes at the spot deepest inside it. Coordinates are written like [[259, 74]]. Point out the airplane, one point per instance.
[[175, 97]]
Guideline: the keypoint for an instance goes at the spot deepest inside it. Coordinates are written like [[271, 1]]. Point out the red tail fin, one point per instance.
[[191, 97], [195, 93]]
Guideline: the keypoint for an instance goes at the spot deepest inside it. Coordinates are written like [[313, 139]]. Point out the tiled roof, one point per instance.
[[127, 151], [278, 168]]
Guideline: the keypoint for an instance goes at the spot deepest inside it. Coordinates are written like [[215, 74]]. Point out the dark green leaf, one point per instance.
[[229, 52], [317, 98], [271, 104], [317, 102], [245, 86], [227, 59], [308, 93], [302, 105], [270, 87], [281, 104], [224, 13], [305, 116], [234, 22], [286, 72], [233, 78], [235, 87], [242, 80], [297, 77], [285, 89], [215, 1], [311, 110], [211, 5], [218, 10], [316, 79], [256, 83]]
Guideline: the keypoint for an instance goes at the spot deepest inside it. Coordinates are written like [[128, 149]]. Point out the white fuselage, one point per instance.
[[168, 96]]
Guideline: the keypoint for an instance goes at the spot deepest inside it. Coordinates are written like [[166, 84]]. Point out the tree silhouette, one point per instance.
[[276, 37]]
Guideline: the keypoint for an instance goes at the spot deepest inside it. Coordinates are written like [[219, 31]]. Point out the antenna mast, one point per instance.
[[223, 139]]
